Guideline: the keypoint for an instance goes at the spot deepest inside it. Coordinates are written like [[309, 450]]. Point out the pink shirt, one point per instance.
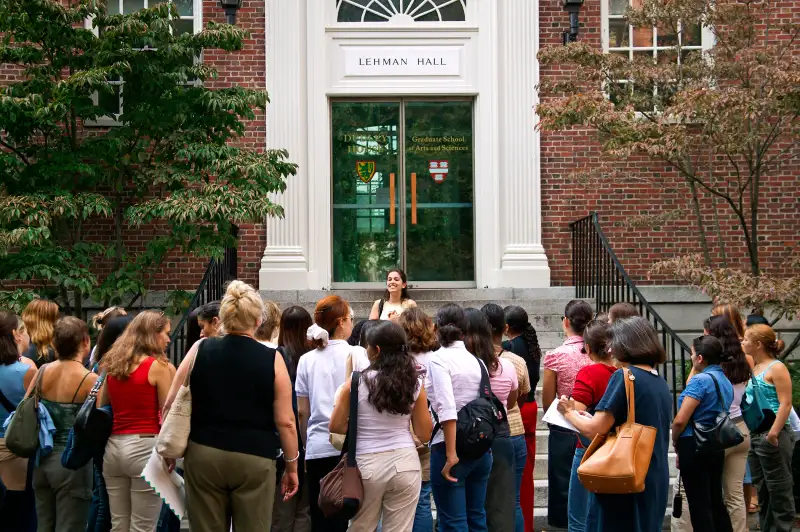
[[505, 380], [566, 360]]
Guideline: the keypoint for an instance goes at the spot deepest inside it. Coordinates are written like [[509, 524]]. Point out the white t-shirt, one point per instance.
[[454, 379], [381, 431], [738, 391], [319, 374]]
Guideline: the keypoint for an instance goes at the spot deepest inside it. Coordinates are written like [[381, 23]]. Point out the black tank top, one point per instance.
[[232, 386]]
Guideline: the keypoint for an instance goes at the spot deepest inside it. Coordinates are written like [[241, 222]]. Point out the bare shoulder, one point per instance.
[[409, 303], [28, 362]]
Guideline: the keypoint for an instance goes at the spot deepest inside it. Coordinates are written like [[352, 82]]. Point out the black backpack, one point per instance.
[[479, 422]]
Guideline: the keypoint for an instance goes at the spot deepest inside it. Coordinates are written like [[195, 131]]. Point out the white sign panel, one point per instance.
[[406, 61]]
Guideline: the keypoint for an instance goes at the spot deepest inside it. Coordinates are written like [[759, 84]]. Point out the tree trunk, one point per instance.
[[700, 227], [791, 347]]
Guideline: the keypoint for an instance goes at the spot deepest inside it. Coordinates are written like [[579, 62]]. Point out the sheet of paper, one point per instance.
[[554, 417], [169, 486]]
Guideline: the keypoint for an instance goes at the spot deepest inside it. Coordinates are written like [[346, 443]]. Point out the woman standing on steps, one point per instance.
[[395, 301], [771, 448], [523, 342]]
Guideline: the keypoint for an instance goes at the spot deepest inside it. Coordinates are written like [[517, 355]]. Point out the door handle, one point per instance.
[[392, 213], [414, 198]]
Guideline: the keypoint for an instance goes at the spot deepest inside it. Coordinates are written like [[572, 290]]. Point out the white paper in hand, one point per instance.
[[554, 417], [169, 486]]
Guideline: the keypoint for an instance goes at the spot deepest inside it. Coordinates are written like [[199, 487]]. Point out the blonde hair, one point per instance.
[[270, 320], [100, 319], [241, 308], [766, 335], [733, 315], [40, 317], [139, 338]]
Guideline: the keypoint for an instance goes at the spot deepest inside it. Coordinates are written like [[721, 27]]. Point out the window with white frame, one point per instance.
[[636, 43], [189, 21], [401, 11]]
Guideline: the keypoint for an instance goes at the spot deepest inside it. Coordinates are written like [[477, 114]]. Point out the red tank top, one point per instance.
[[134, 402]]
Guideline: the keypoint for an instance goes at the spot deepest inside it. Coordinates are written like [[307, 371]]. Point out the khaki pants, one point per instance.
[[392, 480], [732, 478], [13, 469], [222, 483], [134, 505], [62, 495]]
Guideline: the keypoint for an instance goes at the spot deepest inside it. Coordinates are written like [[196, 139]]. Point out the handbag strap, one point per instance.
[[37, 385], [98, 384], [719, 393], [630, 395], [188, 378], [352, 423]]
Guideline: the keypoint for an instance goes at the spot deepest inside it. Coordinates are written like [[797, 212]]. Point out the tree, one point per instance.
[[725, 119], [169, 169]]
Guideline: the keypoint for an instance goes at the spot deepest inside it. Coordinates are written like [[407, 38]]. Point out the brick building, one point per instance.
[[413, 125]]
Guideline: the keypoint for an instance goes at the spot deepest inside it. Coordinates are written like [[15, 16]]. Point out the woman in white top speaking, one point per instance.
[[319, 374], [454, 379], [395, 301], [390, 396]]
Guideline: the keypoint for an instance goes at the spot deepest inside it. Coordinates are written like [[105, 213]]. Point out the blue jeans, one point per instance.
[[99, 515], [520, 455], [460, 505], [578, 503], [423, 519]]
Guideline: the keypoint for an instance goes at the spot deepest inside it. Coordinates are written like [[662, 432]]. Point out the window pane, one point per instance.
[[618, 7], [692, 35], [185, 7], [182, 26], [618, 30], [642, 37], [112, 7], [667, 36], [109, 101], [132, 6], [403, 10]]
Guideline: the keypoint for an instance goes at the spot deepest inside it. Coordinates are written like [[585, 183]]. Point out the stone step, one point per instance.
[[540, 521]]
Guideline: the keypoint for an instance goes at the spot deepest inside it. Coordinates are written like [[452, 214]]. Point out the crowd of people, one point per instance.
[[278, 396]]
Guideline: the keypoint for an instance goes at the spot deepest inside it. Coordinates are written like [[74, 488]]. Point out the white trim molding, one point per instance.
[[310, 61]]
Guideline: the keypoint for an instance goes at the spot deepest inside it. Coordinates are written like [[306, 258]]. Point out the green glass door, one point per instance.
[[403, 191]]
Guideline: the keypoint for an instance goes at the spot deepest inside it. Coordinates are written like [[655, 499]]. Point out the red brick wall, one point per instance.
[[565, 200]]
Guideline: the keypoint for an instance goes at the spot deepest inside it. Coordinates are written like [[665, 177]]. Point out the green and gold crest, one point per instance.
[[365, 170]]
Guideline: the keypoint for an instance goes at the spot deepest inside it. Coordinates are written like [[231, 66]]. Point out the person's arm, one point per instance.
[[180, 377], [549, 388], [512, 399], [524, 384], [86, 386], [283, 414], [341, 410], [160, 376], [421, 418], [589, 427], [783, 386], [449, 430], [688, 406], [373, 314], [30, 375], [303, 414]]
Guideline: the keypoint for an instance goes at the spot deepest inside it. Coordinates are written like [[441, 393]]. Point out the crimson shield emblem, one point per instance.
[[439, 170]]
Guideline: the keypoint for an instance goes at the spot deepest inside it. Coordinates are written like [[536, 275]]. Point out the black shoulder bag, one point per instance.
[[722, 435]]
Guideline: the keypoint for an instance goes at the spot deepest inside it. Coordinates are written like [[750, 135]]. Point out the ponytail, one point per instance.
[[532, 341]]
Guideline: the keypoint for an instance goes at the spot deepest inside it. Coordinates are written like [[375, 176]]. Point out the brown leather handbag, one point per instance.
[[341, 491], [617, 463]]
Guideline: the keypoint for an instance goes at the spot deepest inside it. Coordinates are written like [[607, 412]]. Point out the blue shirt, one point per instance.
[[701, 388], [12, 384]]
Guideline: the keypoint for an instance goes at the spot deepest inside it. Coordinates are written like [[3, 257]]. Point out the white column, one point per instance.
[[523, 263], [285, 262]]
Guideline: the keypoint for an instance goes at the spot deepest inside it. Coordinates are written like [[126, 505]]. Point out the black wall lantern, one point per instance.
[[230, 7], [572, 7]]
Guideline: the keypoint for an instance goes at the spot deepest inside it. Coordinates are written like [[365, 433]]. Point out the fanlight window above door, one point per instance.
[[401, 11]]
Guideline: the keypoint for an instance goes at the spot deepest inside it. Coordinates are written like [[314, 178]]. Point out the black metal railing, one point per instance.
[[597, 273], [212, 287]]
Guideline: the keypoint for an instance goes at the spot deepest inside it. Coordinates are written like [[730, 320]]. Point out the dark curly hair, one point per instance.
[[392, 376], [518, 323], [734, 363], [451, 324]]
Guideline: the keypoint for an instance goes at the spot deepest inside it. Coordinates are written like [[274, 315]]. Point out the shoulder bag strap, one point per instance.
[[380, 307], [719, 393], [352, 423], [630, 395], [187, 380], [98, 384], [80, 384], [486, 386], [6, 403]]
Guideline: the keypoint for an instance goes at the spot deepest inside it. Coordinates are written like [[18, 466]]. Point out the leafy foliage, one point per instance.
[[170, 160], [723, 119]]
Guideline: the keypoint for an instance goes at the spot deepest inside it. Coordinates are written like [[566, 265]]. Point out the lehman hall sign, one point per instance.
[[379, 61]]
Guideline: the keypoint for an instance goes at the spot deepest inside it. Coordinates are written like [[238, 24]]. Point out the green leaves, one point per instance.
[[172, 170]]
